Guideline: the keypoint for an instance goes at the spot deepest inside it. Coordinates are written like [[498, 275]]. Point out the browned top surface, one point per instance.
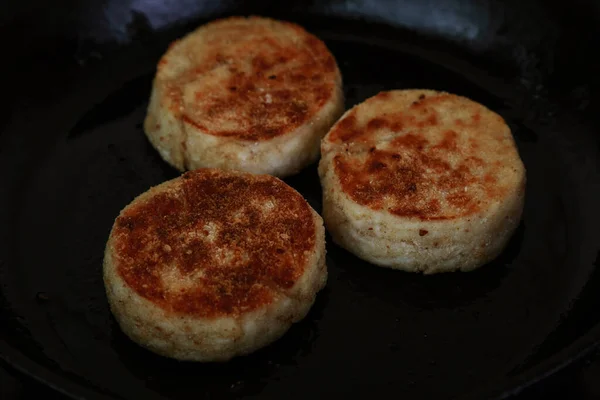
[[214, 243], [424, 154], [249, 78]]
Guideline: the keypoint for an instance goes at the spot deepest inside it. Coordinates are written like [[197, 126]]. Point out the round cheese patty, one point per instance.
[[422, 181], [250, 94], [214, 264]]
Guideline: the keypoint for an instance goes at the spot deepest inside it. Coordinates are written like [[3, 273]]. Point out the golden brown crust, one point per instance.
[[251, 78], [214, 243], [429, 155]]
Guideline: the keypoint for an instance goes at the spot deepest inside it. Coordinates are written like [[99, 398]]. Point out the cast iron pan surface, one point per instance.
[[72, 154]]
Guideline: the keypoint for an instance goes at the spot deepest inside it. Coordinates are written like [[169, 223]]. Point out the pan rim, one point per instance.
[[508, 387]]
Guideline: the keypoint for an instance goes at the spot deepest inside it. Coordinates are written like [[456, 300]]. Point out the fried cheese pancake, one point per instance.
[[250, 94], [422, 181], [214, 264]]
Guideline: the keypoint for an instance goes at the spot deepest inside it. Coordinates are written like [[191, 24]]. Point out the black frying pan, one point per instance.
[[72, 154]]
